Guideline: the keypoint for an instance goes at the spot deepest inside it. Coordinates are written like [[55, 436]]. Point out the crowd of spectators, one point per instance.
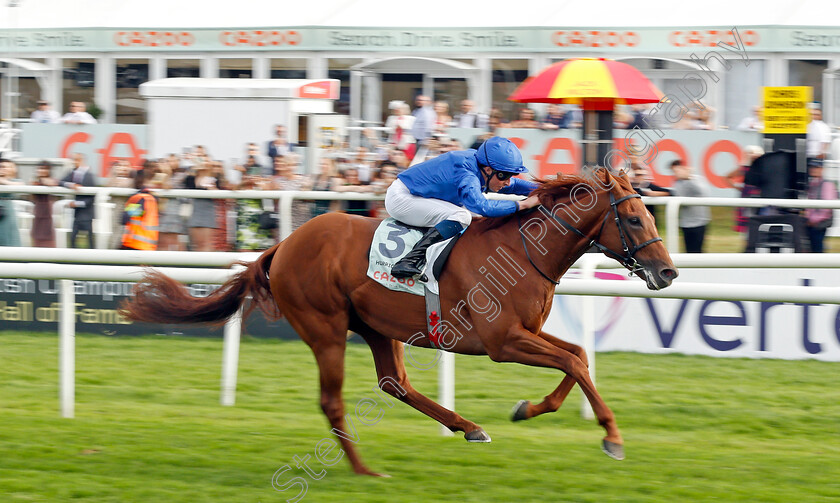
[[408, 137], [202, 224]]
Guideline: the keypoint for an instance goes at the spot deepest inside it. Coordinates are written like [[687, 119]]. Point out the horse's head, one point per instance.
[[604, 211], [628, 233]]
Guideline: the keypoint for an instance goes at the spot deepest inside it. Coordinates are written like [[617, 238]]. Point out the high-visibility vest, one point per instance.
[[141, 231]]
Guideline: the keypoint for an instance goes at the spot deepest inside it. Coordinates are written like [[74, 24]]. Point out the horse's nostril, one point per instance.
[[668, 274]]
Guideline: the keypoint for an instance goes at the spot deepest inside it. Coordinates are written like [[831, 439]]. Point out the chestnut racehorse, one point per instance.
[[496, 293]]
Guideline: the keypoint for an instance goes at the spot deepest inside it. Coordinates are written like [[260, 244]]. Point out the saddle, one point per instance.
[[393, 240]]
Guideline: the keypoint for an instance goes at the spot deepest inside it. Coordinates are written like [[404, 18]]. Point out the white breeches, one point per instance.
[[418, 211]]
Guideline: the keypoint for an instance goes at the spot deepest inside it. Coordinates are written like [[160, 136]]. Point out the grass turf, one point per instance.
[[148, 427]]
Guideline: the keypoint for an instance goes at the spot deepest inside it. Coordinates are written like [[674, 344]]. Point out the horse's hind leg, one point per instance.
[[390, 369], [526, 410], [327, 338]]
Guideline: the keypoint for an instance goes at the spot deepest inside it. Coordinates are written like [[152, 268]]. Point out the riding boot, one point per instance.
[[412, 263]]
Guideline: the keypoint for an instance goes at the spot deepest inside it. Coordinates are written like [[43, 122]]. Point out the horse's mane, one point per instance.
[[556, 189]]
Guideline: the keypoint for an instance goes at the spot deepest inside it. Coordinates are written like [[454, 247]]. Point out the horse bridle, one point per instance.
[[628, 260]]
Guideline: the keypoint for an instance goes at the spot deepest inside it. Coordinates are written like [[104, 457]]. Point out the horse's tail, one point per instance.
[[160, 299]]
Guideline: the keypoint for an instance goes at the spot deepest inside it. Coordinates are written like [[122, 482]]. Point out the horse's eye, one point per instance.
[[635, 221]]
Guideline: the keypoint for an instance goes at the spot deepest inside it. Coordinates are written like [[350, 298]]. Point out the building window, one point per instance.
[[288, 68], [400, 87], [451, 91], [742, 91], [507, 75], [77, 83], [183, 68], [19, 90], [131, 107], [669, 77], [230, 68], [807, 72], [339, 68]]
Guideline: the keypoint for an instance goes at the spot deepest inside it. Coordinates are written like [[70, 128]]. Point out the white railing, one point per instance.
[[33, 264], [104, 209], [672, 209], [176, 258], [587, 286], [20, 266]]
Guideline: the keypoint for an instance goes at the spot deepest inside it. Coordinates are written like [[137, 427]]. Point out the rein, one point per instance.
[[628, 259], [528, 254]]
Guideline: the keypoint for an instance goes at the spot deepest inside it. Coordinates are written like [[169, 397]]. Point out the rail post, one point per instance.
[[672, 225], [446, 385], [285, 203], [67, 348], [587, 316], [230, 358]]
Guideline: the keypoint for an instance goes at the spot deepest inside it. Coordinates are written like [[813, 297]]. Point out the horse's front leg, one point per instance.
[[524, 347], [526, 410]]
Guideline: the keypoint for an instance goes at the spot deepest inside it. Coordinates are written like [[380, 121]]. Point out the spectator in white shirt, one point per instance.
[[818, 136], [753, 122], [44, 114], [399, 125], [77, 114], [424, 119]]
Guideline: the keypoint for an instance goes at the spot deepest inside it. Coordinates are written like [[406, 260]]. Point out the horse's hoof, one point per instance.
[[613, 450], [520, 411], [477, 436]]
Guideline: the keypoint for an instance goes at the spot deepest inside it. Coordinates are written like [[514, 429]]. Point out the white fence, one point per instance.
[[42, 264], [67, 272], [588, 287], [673, 204], [105, 210]]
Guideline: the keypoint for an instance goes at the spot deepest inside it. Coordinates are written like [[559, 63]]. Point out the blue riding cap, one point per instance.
[[501, 154]]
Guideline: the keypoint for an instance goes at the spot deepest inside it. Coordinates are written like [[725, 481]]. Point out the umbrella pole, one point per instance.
[[597, 136]]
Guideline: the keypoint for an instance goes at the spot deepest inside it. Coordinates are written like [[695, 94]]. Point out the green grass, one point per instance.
[[149, 428]]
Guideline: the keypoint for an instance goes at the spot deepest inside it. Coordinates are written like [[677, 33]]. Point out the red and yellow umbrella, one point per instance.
[[594, 84]]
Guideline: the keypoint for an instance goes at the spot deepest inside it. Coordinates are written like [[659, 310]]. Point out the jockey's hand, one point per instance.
[[529, 202]]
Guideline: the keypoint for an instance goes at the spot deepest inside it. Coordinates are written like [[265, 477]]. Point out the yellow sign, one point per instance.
[[786, 109]]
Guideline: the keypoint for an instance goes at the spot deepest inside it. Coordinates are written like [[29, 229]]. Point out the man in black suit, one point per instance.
[[81, 176]]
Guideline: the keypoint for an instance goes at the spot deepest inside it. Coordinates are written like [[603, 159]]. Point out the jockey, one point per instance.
[[443, 192]]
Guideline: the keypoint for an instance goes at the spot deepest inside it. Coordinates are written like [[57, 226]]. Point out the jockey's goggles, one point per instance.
[[503, 175]]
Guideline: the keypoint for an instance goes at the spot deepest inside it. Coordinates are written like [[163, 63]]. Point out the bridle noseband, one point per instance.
[[628, 259]]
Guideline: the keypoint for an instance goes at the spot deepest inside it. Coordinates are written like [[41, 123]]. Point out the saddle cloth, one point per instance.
[[392, 241]]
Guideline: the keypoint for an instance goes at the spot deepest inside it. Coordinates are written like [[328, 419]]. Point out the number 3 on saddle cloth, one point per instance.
[[391, 241]]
